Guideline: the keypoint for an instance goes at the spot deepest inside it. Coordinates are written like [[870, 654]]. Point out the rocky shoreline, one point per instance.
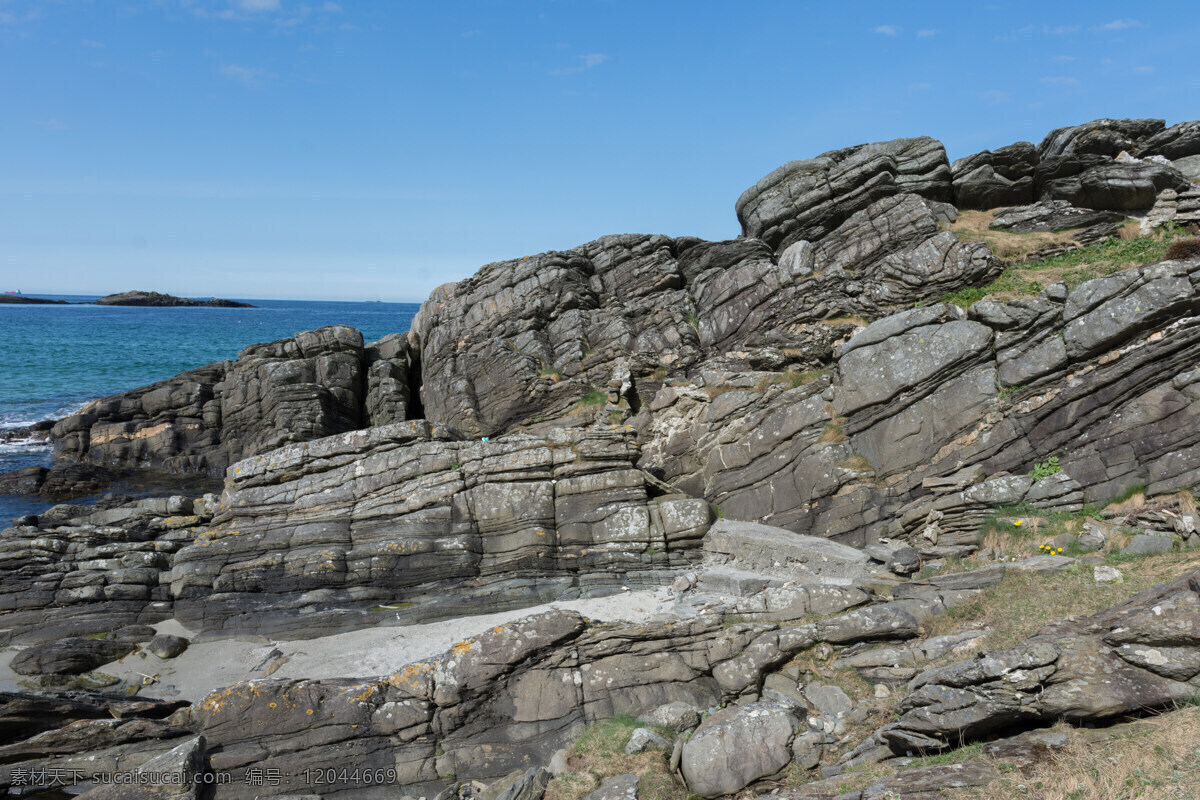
[[661, 478]]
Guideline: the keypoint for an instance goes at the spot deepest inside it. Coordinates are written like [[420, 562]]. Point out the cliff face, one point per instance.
[[802, 375], [315, 384]]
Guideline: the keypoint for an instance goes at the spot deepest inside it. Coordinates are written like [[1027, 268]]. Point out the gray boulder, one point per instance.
[[1116, 186], [1181, 140], [677, 716], [1189, 167], [165, 645], [643, 739], [1102, 137], [531, 785], [737, 746], [984, 188], [1145, 544], [805, 200]]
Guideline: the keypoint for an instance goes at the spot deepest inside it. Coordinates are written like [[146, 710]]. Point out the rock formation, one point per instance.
[[786, 429]]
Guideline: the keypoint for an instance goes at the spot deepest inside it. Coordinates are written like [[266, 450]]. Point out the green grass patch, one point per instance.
[[593, 397], [1088, 262]]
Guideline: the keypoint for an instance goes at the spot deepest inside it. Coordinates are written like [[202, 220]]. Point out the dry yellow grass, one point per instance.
[[1024, 602], [972, 226], [1153, 759]]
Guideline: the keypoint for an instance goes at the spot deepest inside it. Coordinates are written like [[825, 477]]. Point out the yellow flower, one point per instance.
[[1018, 522]]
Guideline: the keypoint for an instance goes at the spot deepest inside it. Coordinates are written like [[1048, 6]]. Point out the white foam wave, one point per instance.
[[23, 419], [25, 446]]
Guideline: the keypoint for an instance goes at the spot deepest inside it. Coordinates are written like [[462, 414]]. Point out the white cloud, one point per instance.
[[250, 76], [886, 30], [920, 86], [1060, 80], [587, 61], [1143, 70], [331, 8], [926, 33], [91, 43], [995, 96], [1064, 59], [1057, 30], [256, 5], [52, 124], [1120, 25]]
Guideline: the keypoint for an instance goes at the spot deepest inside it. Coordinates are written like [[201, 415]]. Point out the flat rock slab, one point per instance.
[[618, 787], [70, 656], [775, 551], [1146, 544]]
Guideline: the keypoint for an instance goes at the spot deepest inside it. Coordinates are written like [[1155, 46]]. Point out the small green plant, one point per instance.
[[593, 397], [1044, 469], [693, 320], [1008, 391]]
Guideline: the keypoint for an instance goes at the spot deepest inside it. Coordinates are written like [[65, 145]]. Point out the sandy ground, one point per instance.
[[206, 666]]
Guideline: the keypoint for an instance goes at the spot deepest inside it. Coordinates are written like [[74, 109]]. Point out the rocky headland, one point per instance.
[[859, 505]]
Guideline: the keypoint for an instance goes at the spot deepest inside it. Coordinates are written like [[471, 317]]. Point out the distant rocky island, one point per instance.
[[157, 299], [26, 300], [135, 298]]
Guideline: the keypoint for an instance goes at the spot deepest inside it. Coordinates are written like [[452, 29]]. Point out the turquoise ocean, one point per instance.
[[54, 359]]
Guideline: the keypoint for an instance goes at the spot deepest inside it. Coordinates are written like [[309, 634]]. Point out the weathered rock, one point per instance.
[[531, 785], [1079, 669], [1003, 177], [643, 739], [1178, 141], [1116, 186], [737, 746], [1104, 137], [805, 200], [1050, 215], [828, 699], [330, 532], [618, 787], [1145, 544], [167, 646], [808, 748], [70, 656], [678, 716], [1189, 167], [291, 390], [904, 561], [179, 774]]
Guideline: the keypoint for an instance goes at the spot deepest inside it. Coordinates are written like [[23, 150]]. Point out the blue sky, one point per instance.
[[352, 150]]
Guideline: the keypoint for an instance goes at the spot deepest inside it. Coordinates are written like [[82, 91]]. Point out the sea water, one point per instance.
[[56, 358]]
